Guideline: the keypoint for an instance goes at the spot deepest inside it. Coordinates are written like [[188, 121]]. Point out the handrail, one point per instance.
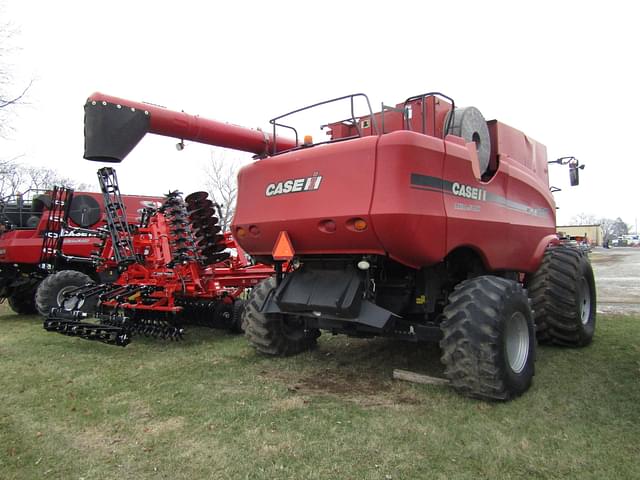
[[274, 121], [424, 110]]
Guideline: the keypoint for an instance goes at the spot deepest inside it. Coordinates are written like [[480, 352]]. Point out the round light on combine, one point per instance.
[[359, 224], [364, 265], [240, 232], [308, 140], [327, 226]]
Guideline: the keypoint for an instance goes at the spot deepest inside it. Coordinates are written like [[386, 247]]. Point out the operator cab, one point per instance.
[[23, 210]]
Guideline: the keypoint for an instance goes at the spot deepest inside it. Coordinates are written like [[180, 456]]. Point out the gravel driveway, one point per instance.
[[617, 272]]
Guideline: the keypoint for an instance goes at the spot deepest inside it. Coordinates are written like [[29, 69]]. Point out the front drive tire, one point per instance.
[[51, 290], [563, 296], [275, 334], [488, 344]]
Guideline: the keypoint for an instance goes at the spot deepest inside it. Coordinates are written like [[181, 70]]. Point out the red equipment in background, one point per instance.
[[175, 267], [46, 230], [421, 221]]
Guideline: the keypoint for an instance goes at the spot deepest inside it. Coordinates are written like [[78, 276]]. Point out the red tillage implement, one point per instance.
[[171, 271]]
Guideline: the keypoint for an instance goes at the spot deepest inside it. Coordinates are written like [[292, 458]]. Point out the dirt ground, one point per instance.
[[617, 272]]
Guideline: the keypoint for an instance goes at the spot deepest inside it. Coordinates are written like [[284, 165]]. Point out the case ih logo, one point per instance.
[[466, 191], [151, 203], [294, 185]]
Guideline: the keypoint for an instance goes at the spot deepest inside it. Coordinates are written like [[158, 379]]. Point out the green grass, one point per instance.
[[209, 407]]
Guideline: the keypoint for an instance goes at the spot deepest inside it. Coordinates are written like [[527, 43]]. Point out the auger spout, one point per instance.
[[113, 127]]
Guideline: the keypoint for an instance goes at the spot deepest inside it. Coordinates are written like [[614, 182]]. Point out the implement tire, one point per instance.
[[275, 334], [488, 343], [563, 297], [51, 290], [23, 303], [237, 325]]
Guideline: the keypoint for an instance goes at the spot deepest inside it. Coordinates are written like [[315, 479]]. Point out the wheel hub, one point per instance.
[[585, 301], [70, 303], [517, 342]]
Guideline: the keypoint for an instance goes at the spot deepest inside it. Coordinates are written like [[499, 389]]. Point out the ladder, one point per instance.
[[119, 228], [53, 235]]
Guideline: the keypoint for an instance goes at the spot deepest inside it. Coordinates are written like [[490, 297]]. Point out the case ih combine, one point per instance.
[[41, 231], [421, 221], [174, 265]]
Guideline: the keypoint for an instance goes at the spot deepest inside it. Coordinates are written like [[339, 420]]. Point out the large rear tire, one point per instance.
[[50, 293], [488, 344], [563, 296], [275, 334]]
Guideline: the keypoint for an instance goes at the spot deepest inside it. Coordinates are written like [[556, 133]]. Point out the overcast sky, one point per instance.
[[564, 72]]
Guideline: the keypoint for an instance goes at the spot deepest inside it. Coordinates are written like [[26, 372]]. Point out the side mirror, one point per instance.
[[574, 167], [574, 175]]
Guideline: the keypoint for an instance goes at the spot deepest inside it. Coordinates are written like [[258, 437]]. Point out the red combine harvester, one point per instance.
[[421, 221], [42, 231], [174, 265]]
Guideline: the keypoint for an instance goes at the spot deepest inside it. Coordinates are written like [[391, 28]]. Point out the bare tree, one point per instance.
[[16, 178], [11, 177], [221, 182], [584, 219], [618, 227], [10, 94]]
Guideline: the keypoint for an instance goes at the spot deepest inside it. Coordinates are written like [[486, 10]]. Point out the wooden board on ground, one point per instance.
[[418, 378]]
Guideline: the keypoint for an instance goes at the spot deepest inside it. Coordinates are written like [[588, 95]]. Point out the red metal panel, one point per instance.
[[508, 141], [409, 220], [23, 246], [506, 225], [347, 171]]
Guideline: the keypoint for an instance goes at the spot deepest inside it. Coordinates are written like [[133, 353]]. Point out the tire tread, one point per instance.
[[265, 331], [554, 296], [471, 342]]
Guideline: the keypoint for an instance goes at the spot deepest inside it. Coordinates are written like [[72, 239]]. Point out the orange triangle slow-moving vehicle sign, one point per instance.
[[283, 249]]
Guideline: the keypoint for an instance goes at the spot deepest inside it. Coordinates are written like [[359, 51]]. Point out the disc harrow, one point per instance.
[[175, 269]]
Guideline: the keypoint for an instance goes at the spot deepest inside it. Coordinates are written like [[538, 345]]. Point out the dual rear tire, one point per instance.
[[491, 326]]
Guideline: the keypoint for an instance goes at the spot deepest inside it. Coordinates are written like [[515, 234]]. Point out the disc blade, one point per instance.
[[196, 196]]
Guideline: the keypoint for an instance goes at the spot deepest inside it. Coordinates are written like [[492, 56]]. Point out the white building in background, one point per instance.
[[593, 234]]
